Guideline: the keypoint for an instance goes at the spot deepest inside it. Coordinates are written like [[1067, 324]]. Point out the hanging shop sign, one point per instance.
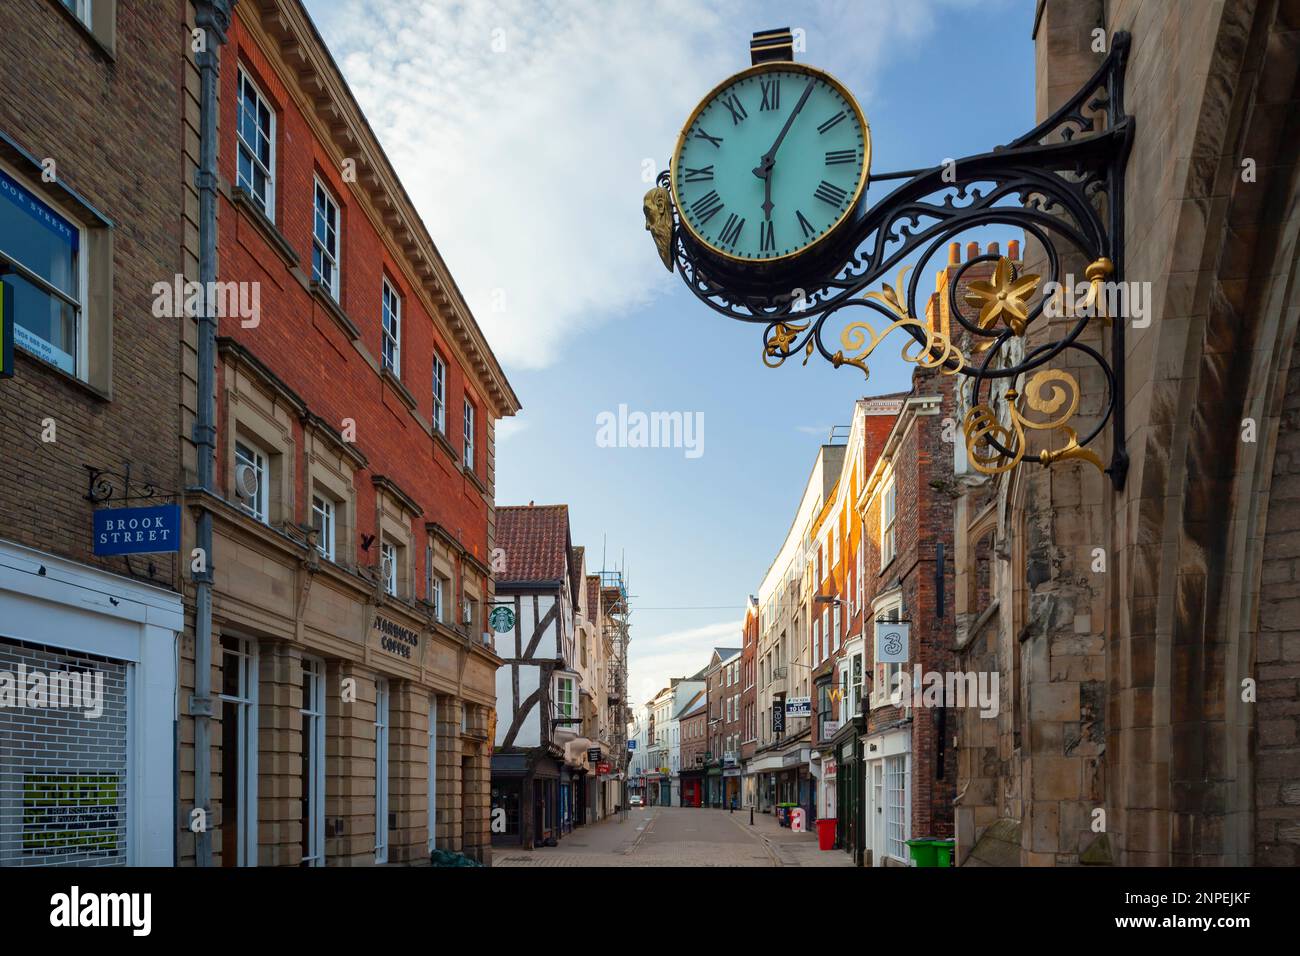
[[395, 639], [152, 530], [603, 769], [778, 718], [892, 642], [631, 745], [6, 331], [593, 755], [502, 619], [798, 707]]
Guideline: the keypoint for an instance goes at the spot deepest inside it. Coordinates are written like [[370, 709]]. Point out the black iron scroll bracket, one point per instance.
[[1062, 184]]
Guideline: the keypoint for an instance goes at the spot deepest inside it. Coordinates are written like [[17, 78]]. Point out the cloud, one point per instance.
[[521, 130], [653, 660], [507, 428]]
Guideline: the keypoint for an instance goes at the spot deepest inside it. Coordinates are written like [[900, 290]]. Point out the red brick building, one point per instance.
[[722, 762], [694, 727], [749, 696], [353, 525]]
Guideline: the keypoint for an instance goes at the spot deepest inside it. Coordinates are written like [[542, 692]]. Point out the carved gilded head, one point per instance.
[[659, 222]]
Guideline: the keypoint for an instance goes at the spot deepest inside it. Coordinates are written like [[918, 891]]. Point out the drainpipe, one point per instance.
[[213, 18]]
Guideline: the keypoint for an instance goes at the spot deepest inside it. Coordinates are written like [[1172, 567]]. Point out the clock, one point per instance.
[[771, 164]]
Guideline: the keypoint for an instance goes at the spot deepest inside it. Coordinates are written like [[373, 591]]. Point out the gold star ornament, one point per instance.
[[1003, 298]]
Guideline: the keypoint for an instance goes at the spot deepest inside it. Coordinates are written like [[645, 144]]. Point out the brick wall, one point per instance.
[[103, 132]]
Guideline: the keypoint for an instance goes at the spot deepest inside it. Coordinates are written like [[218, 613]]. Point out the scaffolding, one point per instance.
[[613, 599]]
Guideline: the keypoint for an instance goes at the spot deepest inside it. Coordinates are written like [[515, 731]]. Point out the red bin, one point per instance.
[[826, 834]]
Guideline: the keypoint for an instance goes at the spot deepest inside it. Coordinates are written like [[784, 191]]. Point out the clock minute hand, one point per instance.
[[769, 158]]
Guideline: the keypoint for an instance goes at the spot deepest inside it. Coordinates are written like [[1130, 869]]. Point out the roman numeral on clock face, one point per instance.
[[835, 157], [715, 140], [831, 123], [699, 175], [771, 94], [767, 237], [830, 194], [736, 108], [706, 206], [731, 230], [804, 224]]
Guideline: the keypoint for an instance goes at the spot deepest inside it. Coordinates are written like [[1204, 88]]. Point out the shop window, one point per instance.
[[313, 762], [381, 771], [439, 393], [253, 480], [43, 261], [325, 242], [238, 751], [256, 146], [391, 307], [322, 520], [897, 817]]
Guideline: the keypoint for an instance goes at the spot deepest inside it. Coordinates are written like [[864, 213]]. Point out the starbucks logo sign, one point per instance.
[[502, 619]]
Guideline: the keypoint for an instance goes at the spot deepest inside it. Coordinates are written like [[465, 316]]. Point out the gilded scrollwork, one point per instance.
[[994, 448]]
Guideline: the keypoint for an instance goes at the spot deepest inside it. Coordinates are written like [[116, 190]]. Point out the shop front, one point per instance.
[[713, 781], [848, 793], [887, 781], [762, 773], [87, 714], [692, 788]]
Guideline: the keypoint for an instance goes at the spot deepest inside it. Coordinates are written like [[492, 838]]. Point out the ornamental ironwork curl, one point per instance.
[[1061, 183]]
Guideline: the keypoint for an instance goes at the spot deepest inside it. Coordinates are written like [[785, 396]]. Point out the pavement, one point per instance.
[[675, 837]]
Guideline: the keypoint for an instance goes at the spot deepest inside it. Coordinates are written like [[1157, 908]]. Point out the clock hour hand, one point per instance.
[[765, 164]]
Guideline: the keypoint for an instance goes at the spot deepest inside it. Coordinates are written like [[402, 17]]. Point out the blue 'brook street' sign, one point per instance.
[[138, 530]]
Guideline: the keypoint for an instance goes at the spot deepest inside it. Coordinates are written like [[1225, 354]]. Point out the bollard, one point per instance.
[[751, 814]]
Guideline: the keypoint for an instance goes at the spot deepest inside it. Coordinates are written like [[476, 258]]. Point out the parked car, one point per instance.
[[635, 801]]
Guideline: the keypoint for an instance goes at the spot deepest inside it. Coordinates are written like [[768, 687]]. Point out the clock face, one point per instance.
[[771, 163]]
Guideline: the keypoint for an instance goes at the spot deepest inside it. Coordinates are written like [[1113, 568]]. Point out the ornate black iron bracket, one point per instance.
[[1062, 183], [110, 486]]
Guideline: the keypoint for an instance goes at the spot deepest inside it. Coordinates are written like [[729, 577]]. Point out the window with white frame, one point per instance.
[[392, 318], [256, 146], [253, 481], [565, 708], [313, 761], [897, 818], [80, 9], [325, 243], [436, 597], [835, 630], [381, 771], [44, 258], [887, 514], [322, 519], [855, 684], [439, 393], [238, 751], [469, 436], [388, 554]]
